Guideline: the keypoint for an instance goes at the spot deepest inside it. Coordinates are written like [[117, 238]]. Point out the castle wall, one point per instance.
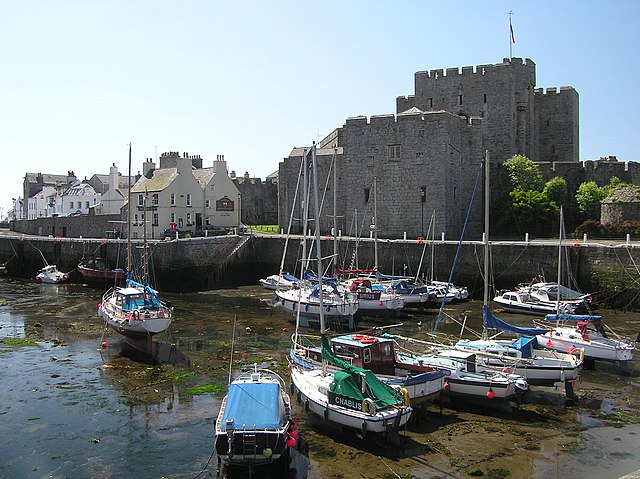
[[558, 120], [438, 153], [259, 201]]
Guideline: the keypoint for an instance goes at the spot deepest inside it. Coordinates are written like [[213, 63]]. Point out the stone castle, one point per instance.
[[425, 159]]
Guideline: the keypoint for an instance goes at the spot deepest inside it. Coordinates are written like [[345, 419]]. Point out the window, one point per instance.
[[154, 199], [394, 152], [484, 98], [188, 200], [370, 160], [173, 199], [459, 99], [366, 352], [423, 194], [156, 221], [180, 223], [71, 205], [207, 221], [188, 219], [213, 187], [173, 217], [135, 219], [430, 102], [87, 205], [140, 200], [367, 193], [553, 148], [419, 158], [207, 203]]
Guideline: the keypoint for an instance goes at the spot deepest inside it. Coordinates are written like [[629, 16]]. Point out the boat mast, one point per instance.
[[145, 260], [335, 211], [318, 246], [375, 221], [129, 216], [486, 241], [486, 228], [559, 258]]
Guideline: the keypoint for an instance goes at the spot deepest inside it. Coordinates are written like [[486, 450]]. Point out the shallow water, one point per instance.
[[72, 409]]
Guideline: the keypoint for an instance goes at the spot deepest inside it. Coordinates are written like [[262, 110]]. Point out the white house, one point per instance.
[[184, 193], [77, 199], [42, 204], [115, 194]]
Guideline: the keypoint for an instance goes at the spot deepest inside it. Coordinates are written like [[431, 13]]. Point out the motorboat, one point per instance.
[[51, 275], [255, 425]]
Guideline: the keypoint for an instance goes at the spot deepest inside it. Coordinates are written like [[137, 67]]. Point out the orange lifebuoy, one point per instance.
[[363, 338]]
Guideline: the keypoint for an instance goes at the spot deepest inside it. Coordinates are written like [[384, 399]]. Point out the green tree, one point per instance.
[[524, 173], [589, 196], [556, 190], [534, 211]]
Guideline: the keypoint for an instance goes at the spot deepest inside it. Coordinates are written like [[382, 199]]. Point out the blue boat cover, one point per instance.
[[525, 346], [572, 317], [491, 322], [290, 277], [253, 405]]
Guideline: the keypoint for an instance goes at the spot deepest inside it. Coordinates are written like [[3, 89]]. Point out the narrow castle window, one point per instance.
[[548, 123], [553, 148], [485, 98], [367, 193], [430, 102], [394, 152], [459, 99]]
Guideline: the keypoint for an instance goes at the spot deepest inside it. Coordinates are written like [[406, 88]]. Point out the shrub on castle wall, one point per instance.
[[595, 229]]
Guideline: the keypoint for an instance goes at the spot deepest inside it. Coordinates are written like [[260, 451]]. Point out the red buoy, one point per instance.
[[490, 394], [549, 344], [104, 344], [445, 386], [291, 442], [285, 330]]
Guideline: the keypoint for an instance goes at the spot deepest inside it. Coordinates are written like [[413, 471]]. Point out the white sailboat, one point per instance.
[[573, 333], [516, 355], [135, 310], [351, 397]]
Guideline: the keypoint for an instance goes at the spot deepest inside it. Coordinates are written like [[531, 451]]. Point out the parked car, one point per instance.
[[171, 234]]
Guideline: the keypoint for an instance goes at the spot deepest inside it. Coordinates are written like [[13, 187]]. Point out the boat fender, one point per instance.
[[306, 406], [363, 428], [267, 452], [368, 407], [326, 414], [582, 355], [405, 396]]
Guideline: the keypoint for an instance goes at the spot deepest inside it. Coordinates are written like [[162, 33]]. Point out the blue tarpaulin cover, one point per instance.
[[254, 405]]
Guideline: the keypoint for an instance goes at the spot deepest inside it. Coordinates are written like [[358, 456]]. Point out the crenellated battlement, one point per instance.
[[550, 91], [480, 70]]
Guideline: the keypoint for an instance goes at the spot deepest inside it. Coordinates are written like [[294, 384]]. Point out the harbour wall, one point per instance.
[[196, 264]]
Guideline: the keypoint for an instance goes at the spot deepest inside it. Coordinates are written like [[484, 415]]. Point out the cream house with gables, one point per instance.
[[184, 193]]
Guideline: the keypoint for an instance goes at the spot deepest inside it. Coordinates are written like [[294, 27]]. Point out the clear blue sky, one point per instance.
[[80, 79]]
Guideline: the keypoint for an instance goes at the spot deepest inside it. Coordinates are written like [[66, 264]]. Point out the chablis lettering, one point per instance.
[[347, 402]]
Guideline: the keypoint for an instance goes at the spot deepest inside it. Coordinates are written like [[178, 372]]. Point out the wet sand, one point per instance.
[[596, 437]]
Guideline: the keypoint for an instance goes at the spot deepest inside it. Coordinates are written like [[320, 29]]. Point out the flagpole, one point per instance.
[[510, 35]]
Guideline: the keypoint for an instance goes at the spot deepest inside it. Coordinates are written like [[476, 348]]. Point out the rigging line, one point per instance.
[[455, 259]]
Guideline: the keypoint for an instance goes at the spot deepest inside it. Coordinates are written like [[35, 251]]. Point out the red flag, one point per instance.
[[513, 38]]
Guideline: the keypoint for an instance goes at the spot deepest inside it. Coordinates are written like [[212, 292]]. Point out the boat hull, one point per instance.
[[312, 389]]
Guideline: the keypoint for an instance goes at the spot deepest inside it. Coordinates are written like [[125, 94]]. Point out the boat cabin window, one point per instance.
[[367, 355], [386, 350]]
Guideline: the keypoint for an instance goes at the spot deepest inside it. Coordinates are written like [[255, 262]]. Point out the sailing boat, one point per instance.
[[314, 295], [517, 355], [372, 296], [135, 310], [573, 332], [352, 397]]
